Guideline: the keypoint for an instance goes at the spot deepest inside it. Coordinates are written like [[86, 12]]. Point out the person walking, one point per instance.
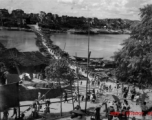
[[110, 110], [81, 82], [14, 113], [123, 114], [5, 115], [22, 116], [65, 97], [144, 109], [97, 113], [98, 83], [93, 91], [44, 97], [91, 97], [77, 107], [127, 107], [133, 94], [82, 98], [47, 109], [38, 106], [75, 97], [39, 95], [48, 102]]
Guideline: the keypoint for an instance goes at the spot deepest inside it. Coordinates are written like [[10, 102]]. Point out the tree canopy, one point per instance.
[[59, 70], [134, 60]]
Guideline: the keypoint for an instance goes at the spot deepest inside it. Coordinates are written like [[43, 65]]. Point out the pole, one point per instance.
[[77, 81], [60, 99], [61, 103], [87, 66], [72, 94], [60, 90], [122, 90], [19, 102], [117, 88]]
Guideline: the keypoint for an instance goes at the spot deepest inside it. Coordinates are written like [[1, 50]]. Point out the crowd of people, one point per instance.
[[122, 107]]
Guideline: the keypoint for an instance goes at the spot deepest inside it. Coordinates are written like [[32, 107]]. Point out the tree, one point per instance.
[[18, 15], [134, 60], [1, 16], [58, 71]]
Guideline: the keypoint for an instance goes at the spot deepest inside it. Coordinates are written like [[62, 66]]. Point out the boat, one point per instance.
[[84, 59], [83, 32], [103, 31], [115, 32]]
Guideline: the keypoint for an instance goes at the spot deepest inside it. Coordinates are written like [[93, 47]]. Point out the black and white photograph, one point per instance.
[[75, 59]]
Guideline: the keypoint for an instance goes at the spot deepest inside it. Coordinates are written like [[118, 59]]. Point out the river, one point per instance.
[[100, 45]]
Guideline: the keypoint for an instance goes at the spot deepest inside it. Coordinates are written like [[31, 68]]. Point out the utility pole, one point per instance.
[[87, 65], [60, 90], [19, 111], [72, 93]]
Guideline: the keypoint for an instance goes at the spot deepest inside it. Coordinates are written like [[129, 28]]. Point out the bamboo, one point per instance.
[[77, 81], [117, 89]]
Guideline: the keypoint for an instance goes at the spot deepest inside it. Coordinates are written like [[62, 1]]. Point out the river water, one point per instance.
[[100, 45]]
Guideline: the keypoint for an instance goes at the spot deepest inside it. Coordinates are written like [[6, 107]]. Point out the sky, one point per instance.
[[125, 9]]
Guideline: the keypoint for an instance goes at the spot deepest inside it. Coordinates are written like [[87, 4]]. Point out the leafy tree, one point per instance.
[[58, 70], [134, 60]]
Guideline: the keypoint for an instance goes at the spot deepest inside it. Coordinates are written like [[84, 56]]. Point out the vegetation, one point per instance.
[[58, 71], [134, 60], [48, 20]]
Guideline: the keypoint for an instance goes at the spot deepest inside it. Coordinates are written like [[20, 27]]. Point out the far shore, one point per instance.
[[93, 31]]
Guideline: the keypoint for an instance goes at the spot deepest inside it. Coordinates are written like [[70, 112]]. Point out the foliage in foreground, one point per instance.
[[134, 60]]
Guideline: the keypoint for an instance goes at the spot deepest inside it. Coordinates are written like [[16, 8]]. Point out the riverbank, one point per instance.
[[16, 29], [93, 31]]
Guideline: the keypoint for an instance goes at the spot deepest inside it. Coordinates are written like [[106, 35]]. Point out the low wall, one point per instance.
[[32, 94]]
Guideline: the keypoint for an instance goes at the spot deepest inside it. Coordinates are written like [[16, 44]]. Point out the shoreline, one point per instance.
[[73, 31]]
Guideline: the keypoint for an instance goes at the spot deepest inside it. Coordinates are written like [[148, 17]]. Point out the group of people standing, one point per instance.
[[113, 110], [37, 106]]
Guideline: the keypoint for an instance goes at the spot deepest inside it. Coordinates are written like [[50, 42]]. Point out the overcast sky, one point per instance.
[[126, 9]]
